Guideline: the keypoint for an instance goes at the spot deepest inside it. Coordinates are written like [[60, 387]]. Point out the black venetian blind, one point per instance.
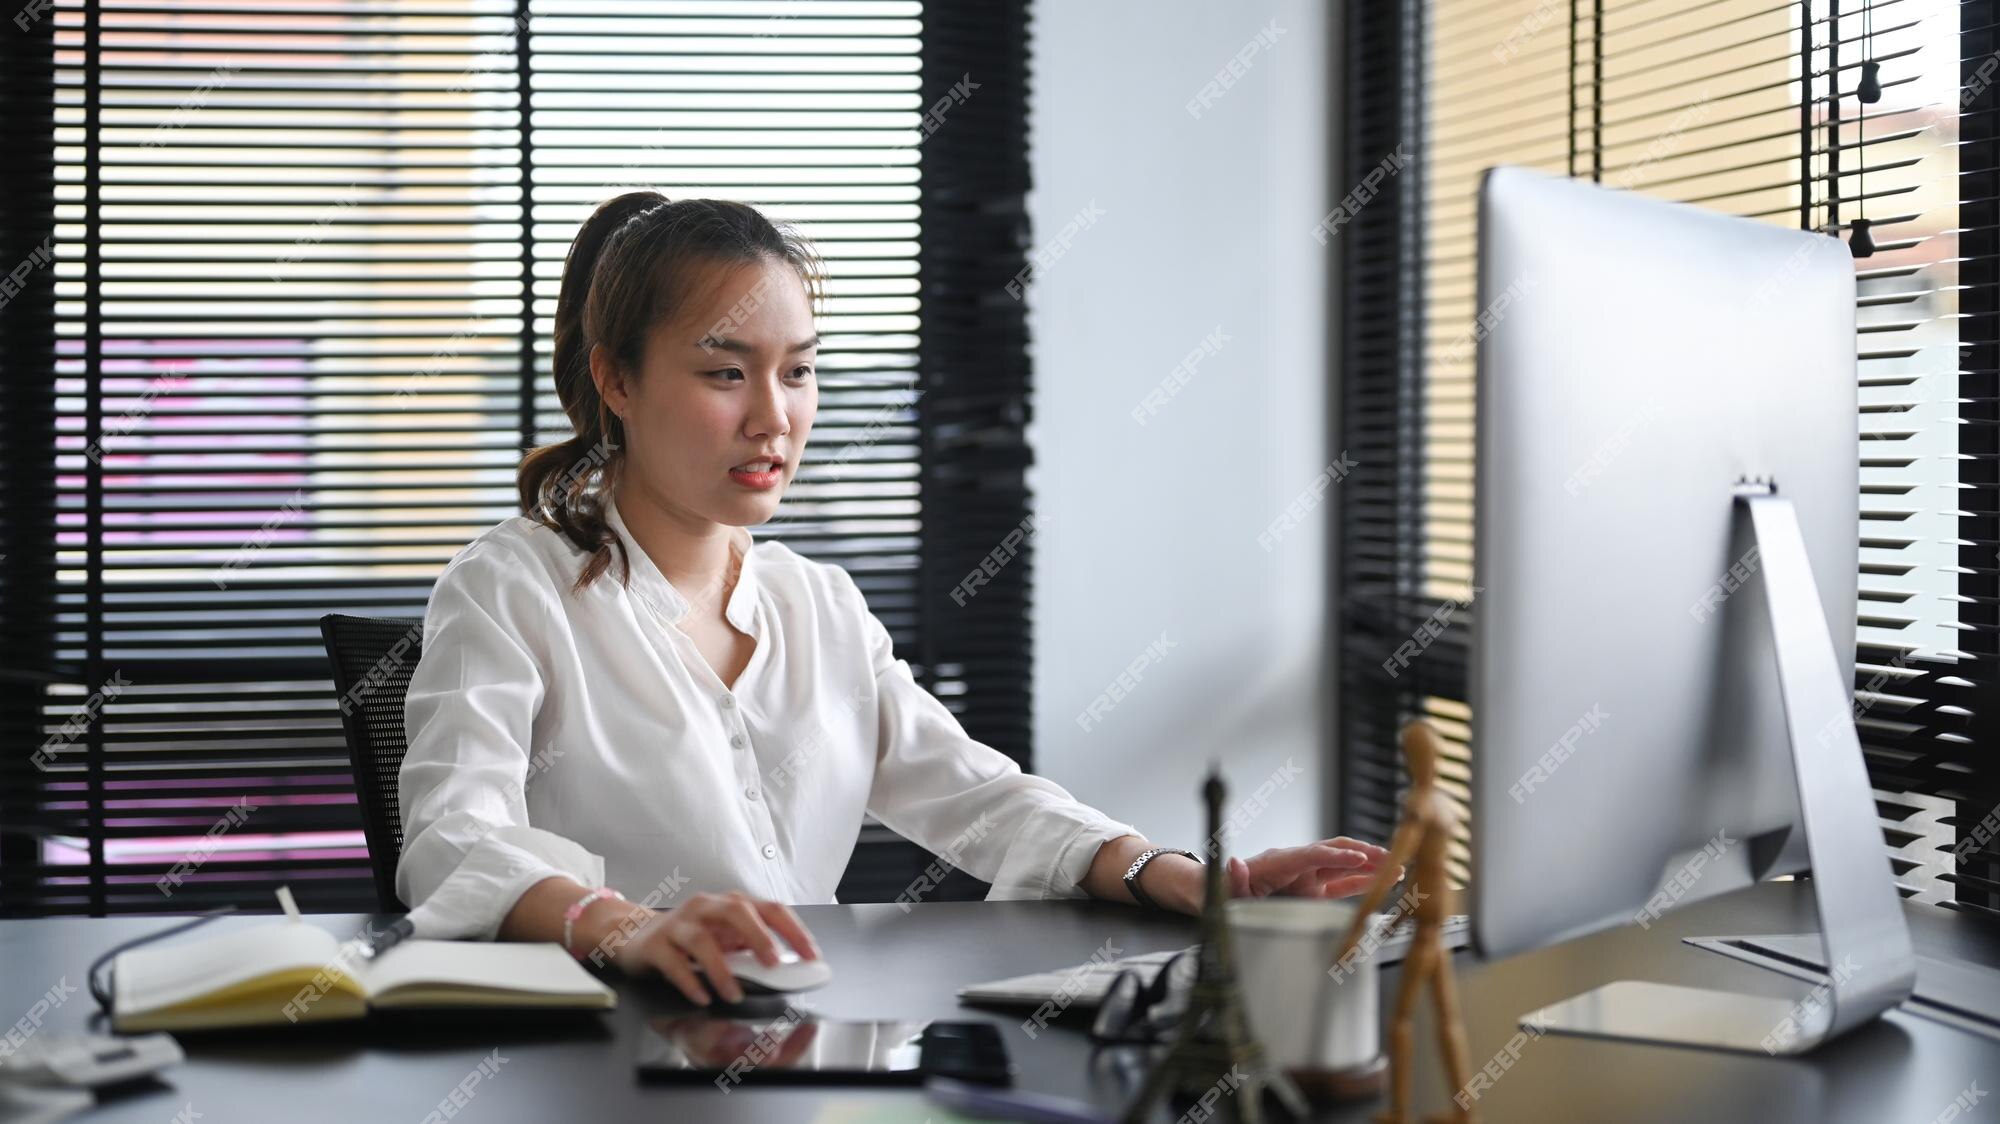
[[1754, 109], [296, 334]]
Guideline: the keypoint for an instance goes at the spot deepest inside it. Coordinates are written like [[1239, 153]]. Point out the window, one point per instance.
[[295, 336], [1751, 109]]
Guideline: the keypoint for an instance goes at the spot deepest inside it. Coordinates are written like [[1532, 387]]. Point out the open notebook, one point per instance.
[[292, 971]]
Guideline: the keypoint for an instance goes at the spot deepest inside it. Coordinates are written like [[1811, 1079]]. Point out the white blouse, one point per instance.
[[552, 732]]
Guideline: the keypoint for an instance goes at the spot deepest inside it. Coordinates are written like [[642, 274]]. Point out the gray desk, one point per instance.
[[897, 965]]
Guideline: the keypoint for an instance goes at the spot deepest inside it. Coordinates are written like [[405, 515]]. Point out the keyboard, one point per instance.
[[1086, 983]]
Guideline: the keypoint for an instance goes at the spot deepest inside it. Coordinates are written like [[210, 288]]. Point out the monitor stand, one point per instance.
[[1862, 929]]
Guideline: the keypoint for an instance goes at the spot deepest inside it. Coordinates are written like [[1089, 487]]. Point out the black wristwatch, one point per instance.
[[1139, 864]]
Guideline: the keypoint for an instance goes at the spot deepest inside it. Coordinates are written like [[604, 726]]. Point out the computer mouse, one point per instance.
[[790, 973]]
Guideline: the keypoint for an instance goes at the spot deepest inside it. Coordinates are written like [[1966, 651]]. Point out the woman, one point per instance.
[[622, 688]]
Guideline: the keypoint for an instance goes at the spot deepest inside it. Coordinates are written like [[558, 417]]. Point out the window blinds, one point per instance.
[[306, 257], [1750, 108]]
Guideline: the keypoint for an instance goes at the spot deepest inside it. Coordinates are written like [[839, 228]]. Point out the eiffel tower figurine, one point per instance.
[[1213, 1048]]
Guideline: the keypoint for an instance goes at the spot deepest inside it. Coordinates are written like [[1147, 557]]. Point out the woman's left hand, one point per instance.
[[1332, 868]]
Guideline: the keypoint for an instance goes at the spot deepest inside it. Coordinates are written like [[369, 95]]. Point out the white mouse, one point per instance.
[[790, 973]]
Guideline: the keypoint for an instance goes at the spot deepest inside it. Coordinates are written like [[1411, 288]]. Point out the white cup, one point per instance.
[[1305, 1018]]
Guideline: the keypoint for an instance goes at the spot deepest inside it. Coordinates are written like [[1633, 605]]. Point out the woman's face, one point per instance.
[[731, 381]]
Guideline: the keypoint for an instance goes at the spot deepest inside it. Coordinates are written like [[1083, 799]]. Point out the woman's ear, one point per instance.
[[609, 379]]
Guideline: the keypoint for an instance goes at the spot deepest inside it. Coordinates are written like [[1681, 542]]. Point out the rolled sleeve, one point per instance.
[[964, 800], [469, 851]]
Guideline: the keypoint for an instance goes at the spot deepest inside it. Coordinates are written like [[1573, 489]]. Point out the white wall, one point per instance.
[[1153, 529]]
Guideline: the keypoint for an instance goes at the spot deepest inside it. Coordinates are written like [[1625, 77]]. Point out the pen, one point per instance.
[[1037, 1108], [376, 943]]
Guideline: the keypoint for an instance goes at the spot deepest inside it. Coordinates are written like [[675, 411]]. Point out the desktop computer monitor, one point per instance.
[[1663, 638]]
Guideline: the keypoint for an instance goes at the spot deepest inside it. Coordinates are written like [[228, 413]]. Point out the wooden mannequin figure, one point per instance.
[[1424, 833]]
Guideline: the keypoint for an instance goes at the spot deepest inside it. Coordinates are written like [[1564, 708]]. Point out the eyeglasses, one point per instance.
[[1138, 1010]]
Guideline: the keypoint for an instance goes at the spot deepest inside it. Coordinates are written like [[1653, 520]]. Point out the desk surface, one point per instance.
[[906, 966]]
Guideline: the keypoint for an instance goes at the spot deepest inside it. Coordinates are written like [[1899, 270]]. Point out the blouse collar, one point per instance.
[[649, 583]]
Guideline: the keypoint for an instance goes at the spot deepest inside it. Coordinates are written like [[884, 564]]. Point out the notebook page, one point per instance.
[[500, 967], [155, 976]]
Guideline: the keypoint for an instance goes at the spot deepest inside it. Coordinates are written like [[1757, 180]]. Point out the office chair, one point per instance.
[[373, 658]]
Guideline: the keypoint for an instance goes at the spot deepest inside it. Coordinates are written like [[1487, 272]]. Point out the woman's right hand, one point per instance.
[[698, 932]]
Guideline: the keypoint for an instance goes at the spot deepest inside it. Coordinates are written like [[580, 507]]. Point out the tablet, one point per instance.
[[800, 1048]]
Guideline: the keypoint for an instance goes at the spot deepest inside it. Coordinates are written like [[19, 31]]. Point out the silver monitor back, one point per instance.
[[1639, 359]]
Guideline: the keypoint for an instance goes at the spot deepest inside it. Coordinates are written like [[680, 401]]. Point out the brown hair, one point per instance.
[[632, 266]]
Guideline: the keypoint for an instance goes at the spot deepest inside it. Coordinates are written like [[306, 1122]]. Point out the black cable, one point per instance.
[[102, 991]]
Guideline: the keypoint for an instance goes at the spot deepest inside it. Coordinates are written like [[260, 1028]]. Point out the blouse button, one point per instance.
[[737, 741], [770, 851], [729, 702], [750, 793]]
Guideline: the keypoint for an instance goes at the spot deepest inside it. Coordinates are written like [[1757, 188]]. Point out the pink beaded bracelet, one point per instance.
[[575, 911]]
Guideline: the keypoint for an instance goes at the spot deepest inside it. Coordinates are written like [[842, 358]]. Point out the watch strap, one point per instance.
[[1132, 872]]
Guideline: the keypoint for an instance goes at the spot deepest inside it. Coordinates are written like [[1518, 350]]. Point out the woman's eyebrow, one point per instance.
[[744, 347]]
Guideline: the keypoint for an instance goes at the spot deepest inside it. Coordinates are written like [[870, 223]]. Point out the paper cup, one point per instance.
[[1306, 1019]]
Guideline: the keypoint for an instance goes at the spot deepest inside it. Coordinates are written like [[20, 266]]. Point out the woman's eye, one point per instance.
[[737, 371], [802, 372]]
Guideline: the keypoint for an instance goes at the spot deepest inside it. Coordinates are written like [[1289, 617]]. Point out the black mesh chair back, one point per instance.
[[373, 658]]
